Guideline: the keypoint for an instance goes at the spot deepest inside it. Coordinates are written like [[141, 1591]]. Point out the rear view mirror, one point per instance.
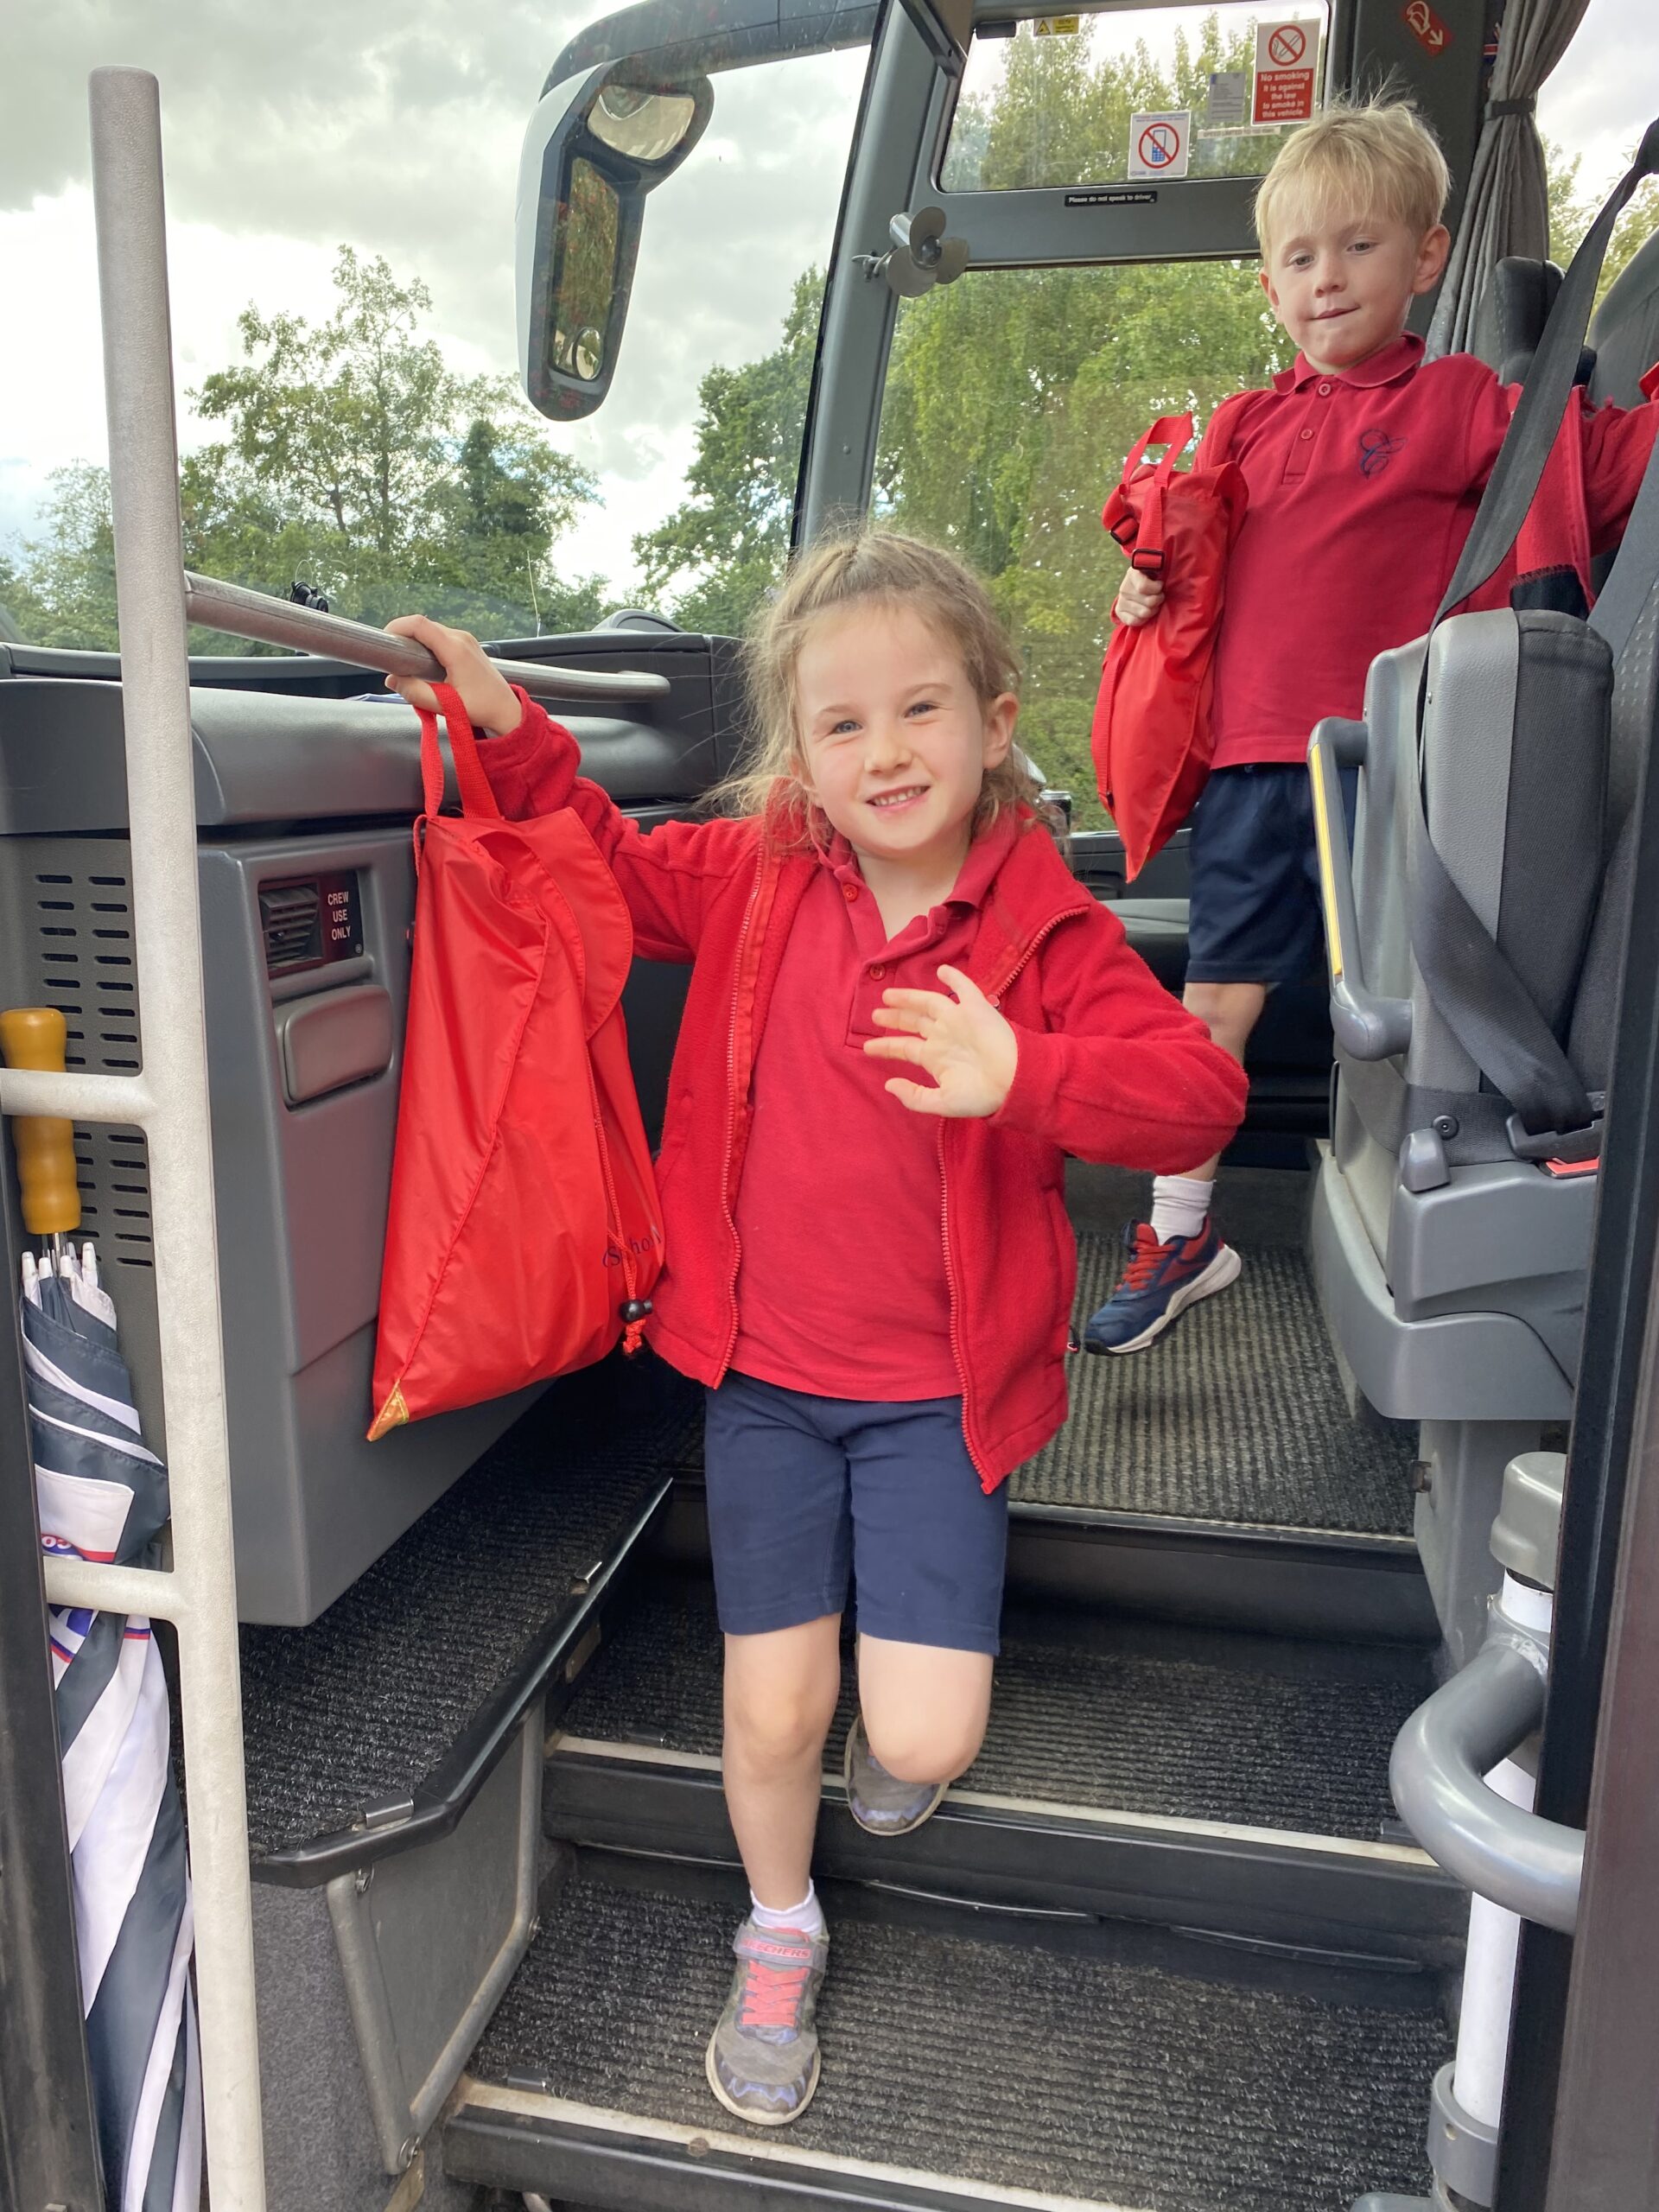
[[596, 145]]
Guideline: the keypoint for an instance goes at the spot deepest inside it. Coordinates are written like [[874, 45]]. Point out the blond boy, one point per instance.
[[1365, 463]]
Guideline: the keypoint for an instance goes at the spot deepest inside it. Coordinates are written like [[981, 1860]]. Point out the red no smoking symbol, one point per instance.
[[1287, 45], [1159, 144]]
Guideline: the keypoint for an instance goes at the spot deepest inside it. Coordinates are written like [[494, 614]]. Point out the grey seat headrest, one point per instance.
[[1626, 328]]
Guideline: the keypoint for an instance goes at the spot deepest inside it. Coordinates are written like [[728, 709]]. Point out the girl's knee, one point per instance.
[[778, 1728]]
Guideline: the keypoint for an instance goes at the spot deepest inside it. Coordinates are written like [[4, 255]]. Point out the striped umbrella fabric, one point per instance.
[[103, 1495]]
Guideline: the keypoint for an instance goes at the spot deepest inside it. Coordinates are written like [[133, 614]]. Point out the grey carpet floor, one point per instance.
[[1171, 1724], [1236, 1413], [1008, 2067], [365, 1703]]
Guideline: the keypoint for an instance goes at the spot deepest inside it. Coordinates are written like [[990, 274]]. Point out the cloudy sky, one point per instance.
[[292, 126]]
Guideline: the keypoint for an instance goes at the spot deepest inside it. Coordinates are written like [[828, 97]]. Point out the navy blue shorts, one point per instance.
[[1254, 913], [806, 1493]]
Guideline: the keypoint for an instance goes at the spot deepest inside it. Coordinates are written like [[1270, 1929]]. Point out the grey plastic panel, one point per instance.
[[1468, 732], [305, 1069], [428, 1941], [262, 757], [1468, 1366], [1504, 1234], [335, 1038]]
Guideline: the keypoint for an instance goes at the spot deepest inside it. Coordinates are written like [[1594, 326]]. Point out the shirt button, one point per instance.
[[1325, 391], [1307, 434], [878, 970], [850, 891]]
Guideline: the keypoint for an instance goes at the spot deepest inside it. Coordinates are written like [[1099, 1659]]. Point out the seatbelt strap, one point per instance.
[[1630, 585], [1473, 984]]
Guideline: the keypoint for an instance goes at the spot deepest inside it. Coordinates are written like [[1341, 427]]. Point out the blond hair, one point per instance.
[[1376, 157], [878, 569]]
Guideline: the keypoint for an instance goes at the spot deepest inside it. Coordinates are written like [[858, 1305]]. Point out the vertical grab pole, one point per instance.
[[160, 797]]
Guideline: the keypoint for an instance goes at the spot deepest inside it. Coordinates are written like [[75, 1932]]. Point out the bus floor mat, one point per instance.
[[1170, 1723], [1101, 2077], [363, 1704], [1236, 1414]]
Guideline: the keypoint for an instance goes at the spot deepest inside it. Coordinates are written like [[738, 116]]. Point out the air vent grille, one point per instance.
[[291, 917], [85, 968]]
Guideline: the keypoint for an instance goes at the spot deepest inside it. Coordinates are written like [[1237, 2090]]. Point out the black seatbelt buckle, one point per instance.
[[1570, 1148]]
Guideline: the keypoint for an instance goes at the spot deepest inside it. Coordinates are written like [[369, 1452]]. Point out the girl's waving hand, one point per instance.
[[963, 1042]]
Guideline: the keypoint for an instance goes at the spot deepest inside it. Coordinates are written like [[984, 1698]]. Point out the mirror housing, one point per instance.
[[596, 145]]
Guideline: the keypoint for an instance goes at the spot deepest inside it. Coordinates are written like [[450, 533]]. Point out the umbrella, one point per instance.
[[102, 1496]]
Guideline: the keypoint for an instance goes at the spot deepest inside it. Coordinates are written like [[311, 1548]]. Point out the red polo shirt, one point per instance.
[[841, 1286], [1362, 487]]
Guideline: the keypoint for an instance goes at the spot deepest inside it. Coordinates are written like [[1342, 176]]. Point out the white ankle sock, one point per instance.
[[807, 1917], [1180, 1205]]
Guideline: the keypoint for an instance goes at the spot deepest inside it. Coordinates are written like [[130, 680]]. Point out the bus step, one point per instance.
[[1231, 1782], [991, 2060]]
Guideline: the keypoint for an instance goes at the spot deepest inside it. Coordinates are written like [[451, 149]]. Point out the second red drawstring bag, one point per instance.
[[525, 1236], [1152, 740]]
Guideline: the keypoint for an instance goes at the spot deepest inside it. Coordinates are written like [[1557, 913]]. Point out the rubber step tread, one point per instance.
[[1263, 1732], [363, 1704], [989, 2063]]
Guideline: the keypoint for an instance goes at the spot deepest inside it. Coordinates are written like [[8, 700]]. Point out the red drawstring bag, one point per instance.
[[525, 1233], [1151, 739]]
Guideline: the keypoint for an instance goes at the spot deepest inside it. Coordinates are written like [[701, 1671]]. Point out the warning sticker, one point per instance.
[[1160, 144], [1426, 25], [1284, 57], [1229, 96], [1058, 25]]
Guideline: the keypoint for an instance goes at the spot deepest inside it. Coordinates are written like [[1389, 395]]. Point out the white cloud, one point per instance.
[[1605, 90]]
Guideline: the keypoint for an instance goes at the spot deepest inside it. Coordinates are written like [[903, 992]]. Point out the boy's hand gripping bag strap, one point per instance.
[[1474, 986], [1151, 739], [524, 1236]]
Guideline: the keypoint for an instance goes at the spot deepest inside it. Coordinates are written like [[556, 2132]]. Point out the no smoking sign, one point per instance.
[[1160, 146], [1284, 57]]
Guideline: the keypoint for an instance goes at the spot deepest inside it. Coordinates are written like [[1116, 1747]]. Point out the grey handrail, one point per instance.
[[245, 614], [1532, 1865], [1368, 1026]]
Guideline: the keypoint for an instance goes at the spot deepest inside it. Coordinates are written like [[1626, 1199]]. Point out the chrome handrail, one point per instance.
[[218, 605]]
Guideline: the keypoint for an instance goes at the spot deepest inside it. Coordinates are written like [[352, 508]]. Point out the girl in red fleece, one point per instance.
[[903, 1014]]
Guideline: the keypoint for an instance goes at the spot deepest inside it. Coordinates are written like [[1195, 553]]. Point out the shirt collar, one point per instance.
[[985, 856], [1388, 366]]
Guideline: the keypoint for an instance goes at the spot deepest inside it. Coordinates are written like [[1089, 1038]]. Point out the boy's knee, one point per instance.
[[920, 1754], [1228, 1011]]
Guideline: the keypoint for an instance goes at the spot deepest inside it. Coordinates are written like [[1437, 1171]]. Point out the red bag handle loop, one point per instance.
[[476, 797], [1173, 433]]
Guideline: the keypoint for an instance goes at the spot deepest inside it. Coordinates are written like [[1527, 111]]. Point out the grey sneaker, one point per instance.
[[878, 1800], [763, 2056]]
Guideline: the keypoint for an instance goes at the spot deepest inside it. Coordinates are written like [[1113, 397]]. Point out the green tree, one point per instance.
[[69, 573], [715, 558], [352, 458], [1570, 216]]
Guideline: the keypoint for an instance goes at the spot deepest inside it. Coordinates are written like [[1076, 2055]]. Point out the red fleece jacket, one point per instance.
[[1109, 1068]]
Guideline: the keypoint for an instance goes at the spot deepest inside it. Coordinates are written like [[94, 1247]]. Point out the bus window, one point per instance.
[[1052, 105], [1011, 400]]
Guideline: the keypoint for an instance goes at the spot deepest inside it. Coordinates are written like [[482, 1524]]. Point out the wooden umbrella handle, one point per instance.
[[36, 1037]]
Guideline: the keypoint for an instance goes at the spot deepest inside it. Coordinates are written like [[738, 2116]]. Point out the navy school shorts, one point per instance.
[[806, 1493], [1254, 913]]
